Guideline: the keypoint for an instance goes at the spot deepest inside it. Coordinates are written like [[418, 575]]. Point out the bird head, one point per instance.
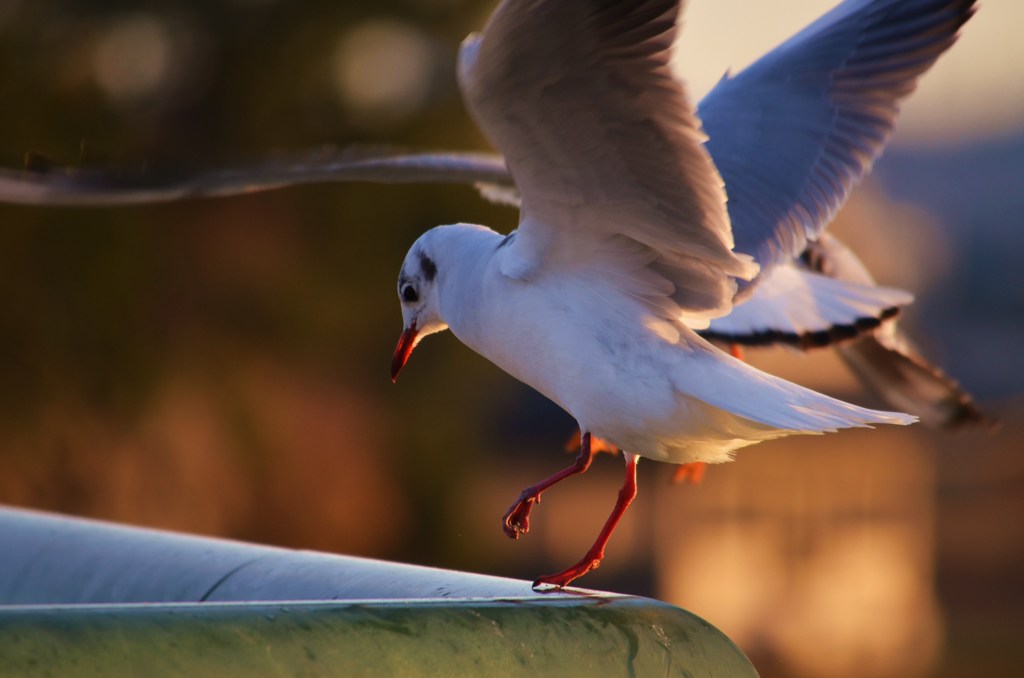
[[417, 292]]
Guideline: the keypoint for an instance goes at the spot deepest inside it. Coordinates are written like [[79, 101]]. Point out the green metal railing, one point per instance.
[[83, 598]]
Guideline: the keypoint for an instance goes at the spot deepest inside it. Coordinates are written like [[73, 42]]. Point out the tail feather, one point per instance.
[[732, 385]]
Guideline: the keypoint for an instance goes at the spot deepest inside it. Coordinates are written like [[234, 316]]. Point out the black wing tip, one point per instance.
[[805, 341]]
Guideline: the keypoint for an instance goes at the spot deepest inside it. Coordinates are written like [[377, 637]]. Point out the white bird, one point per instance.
[[624, 248]]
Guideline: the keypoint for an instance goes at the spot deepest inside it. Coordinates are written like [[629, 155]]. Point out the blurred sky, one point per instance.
[[974, 90]]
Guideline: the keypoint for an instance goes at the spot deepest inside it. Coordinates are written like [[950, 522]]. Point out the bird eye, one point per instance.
[[409, 294]]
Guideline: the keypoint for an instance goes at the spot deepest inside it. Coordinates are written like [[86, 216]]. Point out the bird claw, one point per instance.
[[517, 520], [553, 582]]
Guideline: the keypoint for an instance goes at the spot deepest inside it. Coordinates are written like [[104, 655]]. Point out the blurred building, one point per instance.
[[818, 555]]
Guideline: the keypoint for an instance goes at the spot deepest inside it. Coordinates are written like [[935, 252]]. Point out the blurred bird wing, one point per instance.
[[68, 187], [794, 132], [605, 151], [908, 381]]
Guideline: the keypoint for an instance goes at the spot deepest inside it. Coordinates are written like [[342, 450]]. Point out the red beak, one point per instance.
[[406, 343]]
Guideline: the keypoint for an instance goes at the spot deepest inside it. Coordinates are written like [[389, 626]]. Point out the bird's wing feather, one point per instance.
[[68, 187], [794, 306], [886, 361], [911, 383], [794, 132], [604, 147]]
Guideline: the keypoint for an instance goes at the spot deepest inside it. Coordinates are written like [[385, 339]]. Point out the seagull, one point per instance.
[[623, 250], [627, 250]]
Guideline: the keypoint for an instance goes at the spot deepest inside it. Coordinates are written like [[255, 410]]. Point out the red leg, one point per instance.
[[517, 519], [593, 558], [736, 350]]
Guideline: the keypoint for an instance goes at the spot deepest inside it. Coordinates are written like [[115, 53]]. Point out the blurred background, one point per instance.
[[221, 366]]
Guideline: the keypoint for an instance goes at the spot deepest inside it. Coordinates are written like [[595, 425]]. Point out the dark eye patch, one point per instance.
[[409, 294], [428, 267]]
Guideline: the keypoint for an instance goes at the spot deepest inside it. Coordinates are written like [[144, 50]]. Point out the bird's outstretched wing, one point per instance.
[[605, 150], [793, 133], [69, 187]]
